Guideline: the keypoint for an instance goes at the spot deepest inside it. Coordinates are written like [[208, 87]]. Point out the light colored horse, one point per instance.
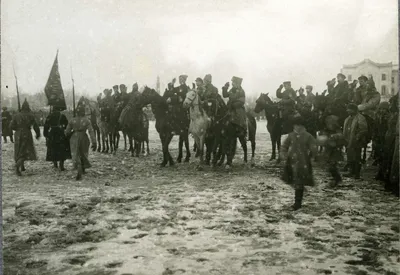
[[200, 122]]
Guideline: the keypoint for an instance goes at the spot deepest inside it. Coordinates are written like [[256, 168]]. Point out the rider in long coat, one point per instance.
[[24, 148], [288, 96], [210, 94], [5, 125], [58, 149], [237, 99], [79, 140]]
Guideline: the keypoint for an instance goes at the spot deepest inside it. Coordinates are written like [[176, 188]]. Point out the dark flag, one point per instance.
[[53, 89]]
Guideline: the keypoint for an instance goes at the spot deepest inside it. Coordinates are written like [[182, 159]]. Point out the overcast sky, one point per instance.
[[123, 41]]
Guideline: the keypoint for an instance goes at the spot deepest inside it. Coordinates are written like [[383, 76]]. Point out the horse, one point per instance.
[[92, 111], [274, 123], [224, 134], [200, 122], [166, 126], [134, 123]]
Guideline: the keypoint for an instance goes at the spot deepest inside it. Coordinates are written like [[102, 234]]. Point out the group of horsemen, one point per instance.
[[175, 97]]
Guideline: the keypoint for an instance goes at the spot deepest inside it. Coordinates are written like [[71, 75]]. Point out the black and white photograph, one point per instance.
[[200, 137]]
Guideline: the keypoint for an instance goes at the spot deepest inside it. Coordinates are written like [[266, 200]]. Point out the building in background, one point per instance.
[[385, 75]]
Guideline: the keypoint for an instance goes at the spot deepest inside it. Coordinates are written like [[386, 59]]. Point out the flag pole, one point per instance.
[[73, 93], [16, 83]]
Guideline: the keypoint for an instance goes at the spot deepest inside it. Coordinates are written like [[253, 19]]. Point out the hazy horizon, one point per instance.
[[265, 42]]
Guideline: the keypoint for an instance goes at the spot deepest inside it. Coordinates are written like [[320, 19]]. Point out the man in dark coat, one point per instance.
[[341, 91], [175, 98], [5, 126], [24, 148], [288, 97], [210, 94], [310, 97], [58, 149], [116, 94], [237, 99]]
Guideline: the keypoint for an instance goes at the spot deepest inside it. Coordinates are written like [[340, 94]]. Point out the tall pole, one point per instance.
[[73, 93], [16, 83]]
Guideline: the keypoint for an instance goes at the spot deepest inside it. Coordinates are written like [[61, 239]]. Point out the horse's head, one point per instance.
[[190, 99], [262, 102], [148, 95]]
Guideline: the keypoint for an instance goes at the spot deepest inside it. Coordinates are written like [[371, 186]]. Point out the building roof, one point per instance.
[[368, 61]]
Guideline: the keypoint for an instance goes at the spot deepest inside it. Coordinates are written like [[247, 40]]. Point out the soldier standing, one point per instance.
[[79, 140], [24, 148], [355, 130]]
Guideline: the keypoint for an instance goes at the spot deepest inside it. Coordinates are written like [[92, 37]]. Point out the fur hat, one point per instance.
[[208, 78], [309, 87], [183, 77], [237, 80]]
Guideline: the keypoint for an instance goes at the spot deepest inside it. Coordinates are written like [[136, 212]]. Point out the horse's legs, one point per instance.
[[131, 148], [364, 158], [209, 146], [143, 148], [274, 144], [278, 143], [243, 142], [98, 139], [124, 134], [147, 145], [187, 147], [111, 142], [168, 155], [103, 141], [179, 159], [118, 136]]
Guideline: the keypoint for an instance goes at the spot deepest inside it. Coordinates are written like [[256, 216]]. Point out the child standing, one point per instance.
[[296, 150]]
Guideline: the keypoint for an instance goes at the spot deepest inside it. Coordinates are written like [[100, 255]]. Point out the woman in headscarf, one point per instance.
[[79, 140], [23, 146], [58, 149]]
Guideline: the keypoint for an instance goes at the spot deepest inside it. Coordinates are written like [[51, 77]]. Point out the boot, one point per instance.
[[23, 167], [79, 175], [12, 139], [357, 171], [5, 139], [17, 171], [336, 176], [62, 166], [298, 198], [55, 165]]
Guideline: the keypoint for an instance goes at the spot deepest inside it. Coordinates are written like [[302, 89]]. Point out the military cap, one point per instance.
[[237, 80], [363, 77], [352, 106], [309, 87], [199, 79], [115, 87], [341, 75], [287, 83]]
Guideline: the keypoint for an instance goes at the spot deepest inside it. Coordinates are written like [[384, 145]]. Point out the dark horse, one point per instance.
[[166, 126], [135, 124], [275, 125], [223, 135]]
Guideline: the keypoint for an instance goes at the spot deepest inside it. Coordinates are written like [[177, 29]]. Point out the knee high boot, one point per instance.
[[357, 170], [298, 198], [17, 168]]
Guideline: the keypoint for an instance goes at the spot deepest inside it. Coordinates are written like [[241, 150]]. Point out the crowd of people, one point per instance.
[[366, 119]]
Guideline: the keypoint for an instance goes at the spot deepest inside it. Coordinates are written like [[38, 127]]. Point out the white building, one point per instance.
[[385, 75]]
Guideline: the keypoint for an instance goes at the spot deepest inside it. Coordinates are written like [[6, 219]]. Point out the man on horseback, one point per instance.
[[310, 97], [237, 98], [117, 94], [288, 97], [341, 91], [175, 98], [210, 95]]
